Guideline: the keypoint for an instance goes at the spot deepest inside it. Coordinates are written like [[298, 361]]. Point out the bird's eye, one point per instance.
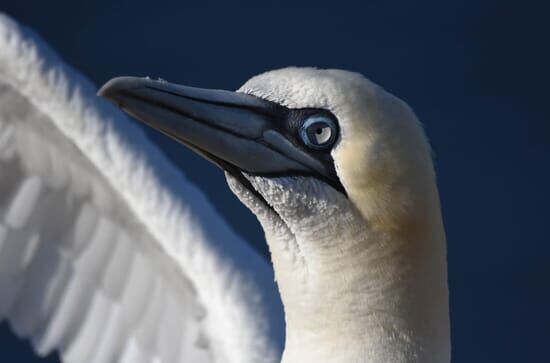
[[318, 132]]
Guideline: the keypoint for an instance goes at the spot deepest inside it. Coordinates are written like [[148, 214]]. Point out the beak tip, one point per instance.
[[116, 85]]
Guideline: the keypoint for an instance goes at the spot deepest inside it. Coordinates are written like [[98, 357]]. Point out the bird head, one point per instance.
[[301, 131]]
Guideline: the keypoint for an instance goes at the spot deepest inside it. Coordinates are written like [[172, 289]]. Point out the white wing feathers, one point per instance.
[[106, 253]]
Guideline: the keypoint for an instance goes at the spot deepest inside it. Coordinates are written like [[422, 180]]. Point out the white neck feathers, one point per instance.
[[353, 293]]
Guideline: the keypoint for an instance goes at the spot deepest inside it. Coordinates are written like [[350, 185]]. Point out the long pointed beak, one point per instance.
[[236, 131]]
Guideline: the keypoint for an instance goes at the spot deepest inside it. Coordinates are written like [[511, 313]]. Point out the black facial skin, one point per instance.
[[289, 122]]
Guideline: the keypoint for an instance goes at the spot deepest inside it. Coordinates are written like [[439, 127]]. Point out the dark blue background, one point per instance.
[[476, 72]]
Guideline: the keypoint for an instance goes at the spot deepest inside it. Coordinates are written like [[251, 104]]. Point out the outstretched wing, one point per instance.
[[106, 252]]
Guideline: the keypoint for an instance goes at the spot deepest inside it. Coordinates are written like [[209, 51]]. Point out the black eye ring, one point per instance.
[[318, 132]]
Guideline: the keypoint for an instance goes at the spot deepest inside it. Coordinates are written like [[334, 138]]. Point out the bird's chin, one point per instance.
[[280, 200], [241, 186]]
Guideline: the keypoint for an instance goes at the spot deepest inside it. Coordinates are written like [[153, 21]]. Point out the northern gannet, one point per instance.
[[339, 173], [340, 176]]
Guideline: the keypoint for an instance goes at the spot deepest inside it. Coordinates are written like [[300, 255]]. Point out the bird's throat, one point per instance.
[[351, 293]]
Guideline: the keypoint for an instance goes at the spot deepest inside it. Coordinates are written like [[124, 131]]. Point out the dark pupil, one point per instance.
[[314, 129]]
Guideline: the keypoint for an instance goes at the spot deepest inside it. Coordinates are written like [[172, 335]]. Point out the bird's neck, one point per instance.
[[353, 293]]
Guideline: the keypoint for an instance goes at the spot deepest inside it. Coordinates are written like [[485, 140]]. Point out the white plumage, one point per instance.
[[107, 253]]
